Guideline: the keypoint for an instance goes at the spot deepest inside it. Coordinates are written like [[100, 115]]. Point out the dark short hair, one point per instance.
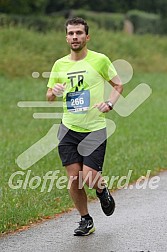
[[76, 21]]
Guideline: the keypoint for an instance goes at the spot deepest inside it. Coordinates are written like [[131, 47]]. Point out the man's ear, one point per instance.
[[87, 37]]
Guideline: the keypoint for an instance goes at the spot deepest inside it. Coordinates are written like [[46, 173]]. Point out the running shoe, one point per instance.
[[107, 201], [86, 227]]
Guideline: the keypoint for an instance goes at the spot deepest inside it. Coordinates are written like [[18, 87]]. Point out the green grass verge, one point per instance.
[[138, 144], [24, 51]]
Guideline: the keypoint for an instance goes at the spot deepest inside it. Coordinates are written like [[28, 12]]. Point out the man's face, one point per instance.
[[76, 37]]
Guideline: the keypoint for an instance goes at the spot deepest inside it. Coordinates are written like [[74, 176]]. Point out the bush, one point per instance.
[[163, 25], [55, 21], [38, 23], [144, 22], [108, 21]]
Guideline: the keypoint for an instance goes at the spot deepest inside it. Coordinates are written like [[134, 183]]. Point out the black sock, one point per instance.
[[87, 217]]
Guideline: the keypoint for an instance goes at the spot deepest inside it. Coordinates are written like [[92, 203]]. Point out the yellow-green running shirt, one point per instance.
[[85, 82]]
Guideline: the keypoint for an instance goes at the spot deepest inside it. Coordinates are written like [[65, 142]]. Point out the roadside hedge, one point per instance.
[[144, 22], [108, 21], [39, 23]]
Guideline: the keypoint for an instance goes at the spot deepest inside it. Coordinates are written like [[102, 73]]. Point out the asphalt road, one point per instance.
[[139, 224]]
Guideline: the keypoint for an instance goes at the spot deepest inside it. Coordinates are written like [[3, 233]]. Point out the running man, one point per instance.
[[80, 77]]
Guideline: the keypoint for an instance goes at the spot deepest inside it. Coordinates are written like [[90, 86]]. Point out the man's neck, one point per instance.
[[78, 55]]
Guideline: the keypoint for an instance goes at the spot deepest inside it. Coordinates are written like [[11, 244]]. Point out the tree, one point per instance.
[[23, 6]]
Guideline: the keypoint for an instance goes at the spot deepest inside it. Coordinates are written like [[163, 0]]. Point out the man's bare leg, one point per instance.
[[78, 196], [95, 181], [93, 178]]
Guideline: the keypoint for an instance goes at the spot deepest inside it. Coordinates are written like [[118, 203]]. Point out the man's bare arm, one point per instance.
[[49, 95], [57, 90], [117, 89]]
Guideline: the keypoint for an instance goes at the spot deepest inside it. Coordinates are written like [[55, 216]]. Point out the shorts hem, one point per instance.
[[93, 167], [72, 162], [80, 161]]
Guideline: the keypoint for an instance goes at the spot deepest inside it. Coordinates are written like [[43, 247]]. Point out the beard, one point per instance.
[[78, 47]]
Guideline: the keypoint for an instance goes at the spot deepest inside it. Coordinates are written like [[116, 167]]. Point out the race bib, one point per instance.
[[78, 101]]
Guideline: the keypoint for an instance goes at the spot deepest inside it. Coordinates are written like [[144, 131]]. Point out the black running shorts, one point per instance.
[[87, 148]]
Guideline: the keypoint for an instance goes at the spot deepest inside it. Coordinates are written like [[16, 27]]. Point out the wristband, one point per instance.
[[110, 105]]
